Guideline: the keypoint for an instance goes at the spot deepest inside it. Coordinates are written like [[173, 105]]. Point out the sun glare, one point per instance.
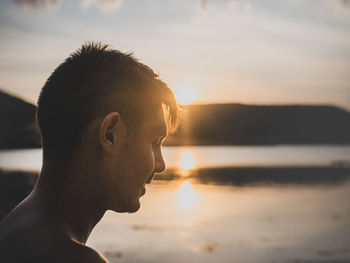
[[185, 93], [186, 163], [185, 195]]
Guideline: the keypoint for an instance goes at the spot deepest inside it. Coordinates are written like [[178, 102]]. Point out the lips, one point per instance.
[[142, 191], [149, 179]]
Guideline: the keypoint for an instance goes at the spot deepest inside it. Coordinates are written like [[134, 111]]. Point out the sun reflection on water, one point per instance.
[[186, 163], [185, 195]]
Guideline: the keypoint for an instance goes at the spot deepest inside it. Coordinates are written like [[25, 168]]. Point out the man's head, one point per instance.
[[104, 99]]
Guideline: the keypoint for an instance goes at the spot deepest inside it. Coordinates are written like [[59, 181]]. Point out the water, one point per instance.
[[187, 221], [230, 224], [214, 156]]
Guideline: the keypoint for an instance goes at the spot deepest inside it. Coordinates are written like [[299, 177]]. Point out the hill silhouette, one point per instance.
[[17, 120], [210, 124], [237, 124]]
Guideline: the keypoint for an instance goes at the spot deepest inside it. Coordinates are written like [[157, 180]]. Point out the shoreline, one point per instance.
[[16, 185], [240, 176]]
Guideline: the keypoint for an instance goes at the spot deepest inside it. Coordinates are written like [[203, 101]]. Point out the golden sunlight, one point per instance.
[[185, 195], [185, 93], [186, 163]]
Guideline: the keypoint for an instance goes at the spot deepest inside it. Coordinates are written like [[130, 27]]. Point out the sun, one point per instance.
[[185, 93]]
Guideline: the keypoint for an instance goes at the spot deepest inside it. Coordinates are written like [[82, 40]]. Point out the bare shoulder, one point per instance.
[[27, 246], [25, 236]]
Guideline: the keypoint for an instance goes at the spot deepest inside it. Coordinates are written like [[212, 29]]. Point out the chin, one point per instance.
[[130, 207]]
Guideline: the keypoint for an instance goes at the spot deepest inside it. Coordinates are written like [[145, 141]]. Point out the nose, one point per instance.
[[159, 163], [159, 167]]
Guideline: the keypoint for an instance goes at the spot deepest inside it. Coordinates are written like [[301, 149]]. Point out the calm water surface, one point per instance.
[[185, 221], [214, 156]]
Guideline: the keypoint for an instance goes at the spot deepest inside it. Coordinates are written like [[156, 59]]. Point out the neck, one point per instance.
[[68, 200]]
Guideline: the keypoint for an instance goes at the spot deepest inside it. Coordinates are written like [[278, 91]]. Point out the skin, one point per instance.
[[108, 172]]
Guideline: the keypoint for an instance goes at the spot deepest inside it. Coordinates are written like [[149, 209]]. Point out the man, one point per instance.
[[102, 116]]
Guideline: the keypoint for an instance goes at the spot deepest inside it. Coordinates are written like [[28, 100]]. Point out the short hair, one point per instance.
[[92, 82]]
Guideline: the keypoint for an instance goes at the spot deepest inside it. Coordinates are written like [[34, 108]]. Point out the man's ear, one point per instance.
[[108, 131]]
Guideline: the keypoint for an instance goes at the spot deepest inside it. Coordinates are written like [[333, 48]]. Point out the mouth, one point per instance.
[[142, 191], [149, 179]]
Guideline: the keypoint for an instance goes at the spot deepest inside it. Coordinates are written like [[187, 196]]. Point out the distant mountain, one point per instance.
[[211, 124], [17, 123], [237, 124]]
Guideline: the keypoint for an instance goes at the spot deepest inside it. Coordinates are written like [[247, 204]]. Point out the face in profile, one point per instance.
[[135, 163]]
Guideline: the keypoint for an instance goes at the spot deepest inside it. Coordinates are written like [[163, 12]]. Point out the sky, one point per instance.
[[223, 51]]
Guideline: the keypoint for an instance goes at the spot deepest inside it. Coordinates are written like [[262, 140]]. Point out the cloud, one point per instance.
[[105, 6], [203, 4], [341, 5], [38, 4], [239, 5]]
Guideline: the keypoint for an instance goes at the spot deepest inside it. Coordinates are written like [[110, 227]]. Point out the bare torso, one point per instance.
[[30, 234]]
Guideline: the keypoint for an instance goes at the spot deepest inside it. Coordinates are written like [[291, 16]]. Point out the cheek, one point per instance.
[[141, 162], [148, 161]]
